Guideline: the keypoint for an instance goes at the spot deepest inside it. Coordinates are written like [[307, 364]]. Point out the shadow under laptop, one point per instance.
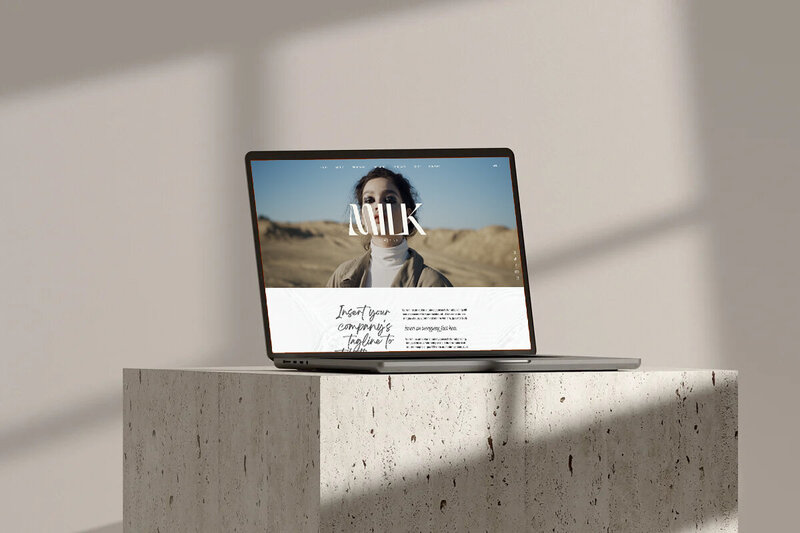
[[665, 464]]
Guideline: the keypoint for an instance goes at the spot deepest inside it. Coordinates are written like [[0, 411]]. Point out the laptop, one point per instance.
[[396, 261]]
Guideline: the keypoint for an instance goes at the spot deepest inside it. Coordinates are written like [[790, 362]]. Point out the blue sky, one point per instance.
[[456, 193]]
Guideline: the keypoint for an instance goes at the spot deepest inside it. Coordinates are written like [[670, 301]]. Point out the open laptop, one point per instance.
[[396, 261]]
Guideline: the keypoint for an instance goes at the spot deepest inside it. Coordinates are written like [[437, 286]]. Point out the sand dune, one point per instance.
[[304, 254]]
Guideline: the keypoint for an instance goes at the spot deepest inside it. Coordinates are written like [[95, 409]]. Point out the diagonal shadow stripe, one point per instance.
[[55, 53], [57, 425], [681, 474], [613, 241], [66, 422]]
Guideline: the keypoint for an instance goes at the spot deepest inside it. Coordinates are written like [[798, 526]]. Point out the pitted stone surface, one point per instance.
[[248, 450], [220, 451]]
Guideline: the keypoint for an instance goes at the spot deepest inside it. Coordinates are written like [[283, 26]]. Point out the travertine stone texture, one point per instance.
[[258, 449], [216, 451]]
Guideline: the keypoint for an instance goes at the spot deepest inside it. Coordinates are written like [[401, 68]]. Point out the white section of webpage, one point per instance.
[[397, 319]]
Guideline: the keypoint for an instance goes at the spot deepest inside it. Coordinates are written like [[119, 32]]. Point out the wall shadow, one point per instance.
[[68, 43], [747, 82], [72, 419], [620, 239], [56, 425]]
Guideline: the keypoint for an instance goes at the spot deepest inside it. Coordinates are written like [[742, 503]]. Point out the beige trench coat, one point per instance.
[[413, 273]]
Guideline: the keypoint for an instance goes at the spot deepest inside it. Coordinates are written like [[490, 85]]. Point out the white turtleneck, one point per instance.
[[385, 264]]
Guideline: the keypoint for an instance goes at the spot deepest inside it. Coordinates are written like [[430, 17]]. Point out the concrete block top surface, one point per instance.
[[272, 370]]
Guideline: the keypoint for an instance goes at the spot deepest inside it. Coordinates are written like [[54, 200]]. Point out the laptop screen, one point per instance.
[[390, 254]]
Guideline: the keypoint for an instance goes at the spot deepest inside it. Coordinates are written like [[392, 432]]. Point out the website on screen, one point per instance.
[[390, 255]]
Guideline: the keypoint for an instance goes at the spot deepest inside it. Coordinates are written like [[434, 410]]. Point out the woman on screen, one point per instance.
[[388, 261]]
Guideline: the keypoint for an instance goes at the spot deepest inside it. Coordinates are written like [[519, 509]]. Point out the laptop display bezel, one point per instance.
[[386, 154]]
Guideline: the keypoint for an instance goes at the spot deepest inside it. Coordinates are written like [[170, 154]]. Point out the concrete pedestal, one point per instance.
[[257, 449]]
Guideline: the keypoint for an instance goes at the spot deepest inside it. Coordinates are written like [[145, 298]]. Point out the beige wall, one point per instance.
[[657, 157]]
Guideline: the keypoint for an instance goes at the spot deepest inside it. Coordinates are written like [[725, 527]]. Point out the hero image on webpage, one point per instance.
[[391, 255]]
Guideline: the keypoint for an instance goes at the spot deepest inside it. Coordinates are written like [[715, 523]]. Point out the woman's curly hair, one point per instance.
[[408, 194]]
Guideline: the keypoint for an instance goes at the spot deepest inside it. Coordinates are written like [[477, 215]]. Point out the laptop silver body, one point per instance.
[[396, 261]]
